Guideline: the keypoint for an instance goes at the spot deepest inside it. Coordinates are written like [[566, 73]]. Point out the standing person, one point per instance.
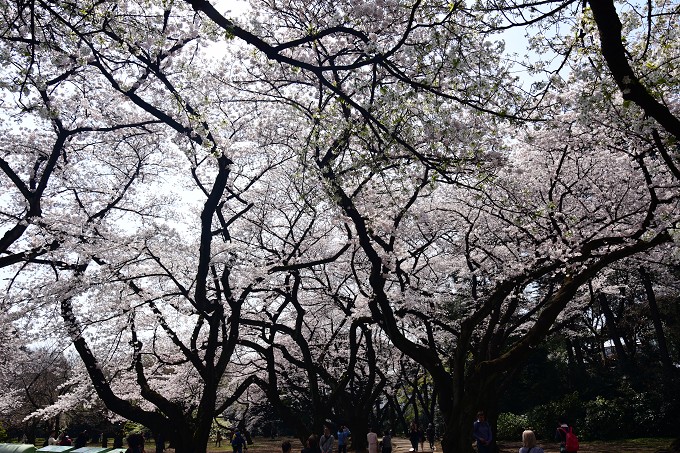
[[430, 436], [414, 436], [561, 435], [218, 438], [160, 442], [343, 438], [118, 439], [481, 430], [387, 442], [135, 443], [326, 440], [237, 441], [529, 443], [372, 439]]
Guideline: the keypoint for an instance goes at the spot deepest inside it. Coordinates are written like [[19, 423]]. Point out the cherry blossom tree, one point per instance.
[[528, 227], [377, 158]]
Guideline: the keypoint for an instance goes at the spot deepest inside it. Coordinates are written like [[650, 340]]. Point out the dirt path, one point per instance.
[[402, 445]]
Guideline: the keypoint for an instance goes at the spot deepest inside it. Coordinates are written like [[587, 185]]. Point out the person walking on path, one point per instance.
[[529, 443], [237, 441], [481, 430], [387, 442], [414, 436], [430, 436]]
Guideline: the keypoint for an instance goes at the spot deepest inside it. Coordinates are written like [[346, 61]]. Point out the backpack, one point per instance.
[[571, 441]]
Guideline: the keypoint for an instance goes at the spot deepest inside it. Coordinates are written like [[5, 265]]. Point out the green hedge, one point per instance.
[[624, 416]]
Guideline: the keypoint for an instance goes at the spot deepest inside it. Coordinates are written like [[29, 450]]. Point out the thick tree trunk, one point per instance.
[[613, 331], [480, 394], [457, 435], [656, 320], [359, 432], [399, 419]]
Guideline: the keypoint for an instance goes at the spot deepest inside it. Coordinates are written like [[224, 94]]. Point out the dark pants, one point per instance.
[[342, 448]]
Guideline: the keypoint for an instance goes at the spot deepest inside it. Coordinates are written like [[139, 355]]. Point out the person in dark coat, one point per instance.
[[135, 443]]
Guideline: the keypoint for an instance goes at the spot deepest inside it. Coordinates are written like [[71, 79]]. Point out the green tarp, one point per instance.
[[91, 450], [57, 448], [17, 448]]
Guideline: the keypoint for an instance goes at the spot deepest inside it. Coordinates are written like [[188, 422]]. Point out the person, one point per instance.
[[372, 439], [529, 443], [135, 443], [237, 441], [561, 434], [64, 440], [326, 440], [218, 438], [430, 436], [343, 437], [414, 436], [81, 440], [386, 443], [312, 445], [159, 441], [481, 430], [52, 440], [118, 439], [286, 446]]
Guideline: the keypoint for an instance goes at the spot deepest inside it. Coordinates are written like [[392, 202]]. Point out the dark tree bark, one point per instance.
[[664, 355], [614, 334], [614, 52]]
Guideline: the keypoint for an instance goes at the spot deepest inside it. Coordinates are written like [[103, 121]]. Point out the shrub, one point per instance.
[[510, 426], [604, 419], [543, 418], [627, 415]]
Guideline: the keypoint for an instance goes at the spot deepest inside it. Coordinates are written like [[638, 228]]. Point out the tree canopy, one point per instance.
[[309, 202]]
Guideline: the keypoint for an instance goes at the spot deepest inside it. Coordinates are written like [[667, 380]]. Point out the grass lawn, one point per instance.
[[402, 445]]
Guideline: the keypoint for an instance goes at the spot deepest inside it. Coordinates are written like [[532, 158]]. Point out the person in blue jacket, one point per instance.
[[482, 433], [343, 437]]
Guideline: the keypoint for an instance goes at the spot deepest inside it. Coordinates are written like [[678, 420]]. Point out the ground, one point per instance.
[[262, 445]]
